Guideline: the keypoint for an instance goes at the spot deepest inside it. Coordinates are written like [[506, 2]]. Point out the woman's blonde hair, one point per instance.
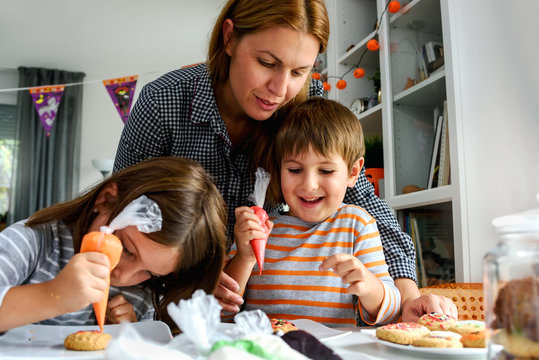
[[325, 125], [194, 221], [251, 16]]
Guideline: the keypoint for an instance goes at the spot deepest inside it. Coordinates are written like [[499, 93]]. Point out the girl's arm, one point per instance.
[[80, 283], [247, 228]]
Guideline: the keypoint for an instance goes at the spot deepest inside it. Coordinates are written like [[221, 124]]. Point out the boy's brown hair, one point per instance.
[[325, 125]]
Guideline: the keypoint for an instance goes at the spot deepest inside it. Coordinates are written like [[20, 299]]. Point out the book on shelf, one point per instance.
[[443, 173], [435, 157], [433, 55], [420, 268], [433, 239]]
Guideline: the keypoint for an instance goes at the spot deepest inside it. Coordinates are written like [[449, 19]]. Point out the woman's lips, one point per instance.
[[266, 105]]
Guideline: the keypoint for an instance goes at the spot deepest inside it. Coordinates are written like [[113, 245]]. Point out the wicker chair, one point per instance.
[[467, 297]]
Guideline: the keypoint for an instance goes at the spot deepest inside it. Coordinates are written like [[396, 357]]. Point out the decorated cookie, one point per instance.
[[437, 321], [87, 341], [467, 327], [439, 339], [282, 325], [401, 333], [474, 339]]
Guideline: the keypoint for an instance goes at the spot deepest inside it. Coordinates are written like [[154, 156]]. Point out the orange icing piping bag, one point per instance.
[[105, 242], [258, 197]]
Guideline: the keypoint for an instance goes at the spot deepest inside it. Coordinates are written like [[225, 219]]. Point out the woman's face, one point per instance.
[[267, 69]]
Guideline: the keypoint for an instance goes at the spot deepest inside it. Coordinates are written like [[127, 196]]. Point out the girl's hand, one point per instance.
[[81, 282], [247, 228], [352, 271], [120, 310]]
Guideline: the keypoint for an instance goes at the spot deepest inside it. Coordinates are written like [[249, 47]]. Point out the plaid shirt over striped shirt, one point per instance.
[[177, 115]]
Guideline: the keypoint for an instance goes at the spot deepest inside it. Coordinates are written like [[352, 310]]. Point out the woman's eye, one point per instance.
[[264, 63], [296, 73]]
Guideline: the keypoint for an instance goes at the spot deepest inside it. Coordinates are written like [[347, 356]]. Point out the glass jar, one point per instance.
[[511, 283]]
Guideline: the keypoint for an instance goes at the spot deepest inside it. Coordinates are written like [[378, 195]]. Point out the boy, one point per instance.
[[316, 155]]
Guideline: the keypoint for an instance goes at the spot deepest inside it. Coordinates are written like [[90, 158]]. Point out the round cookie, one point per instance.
[[282, 325], [439, 339], [401, 333], [474, 339], [87, 341], [467, 327], [437, 321]]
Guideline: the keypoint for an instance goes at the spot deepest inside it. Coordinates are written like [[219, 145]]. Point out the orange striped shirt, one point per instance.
[[292, 287]]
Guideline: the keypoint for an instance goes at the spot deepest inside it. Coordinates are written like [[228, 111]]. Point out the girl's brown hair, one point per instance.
[[194, 220], [325, 125], [251, 16]]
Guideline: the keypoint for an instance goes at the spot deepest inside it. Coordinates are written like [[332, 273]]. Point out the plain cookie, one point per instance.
[[87, 341]]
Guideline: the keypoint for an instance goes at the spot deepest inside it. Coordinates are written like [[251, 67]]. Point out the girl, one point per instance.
[[44, 279]]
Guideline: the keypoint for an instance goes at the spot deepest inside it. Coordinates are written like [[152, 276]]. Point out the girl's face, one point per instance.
[[141, 258], [314, 185], [267, 69]]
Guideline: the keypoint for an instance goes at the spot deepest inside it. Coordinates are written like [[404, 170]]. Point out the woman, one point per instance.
[[259, 60]]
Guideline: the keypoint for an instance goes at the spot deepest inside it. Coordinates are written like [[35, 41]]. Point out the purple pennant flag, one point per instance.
[[46, 100], [121, 92]]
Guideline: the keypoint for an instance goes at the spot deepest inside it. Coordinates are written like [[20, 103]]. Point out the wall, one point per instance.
[[496, 57], [105, 39]]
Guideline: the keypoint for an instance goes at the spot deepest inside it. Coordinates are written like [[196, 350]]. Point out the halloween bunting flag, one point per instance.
[[121, 92], [46, 100]]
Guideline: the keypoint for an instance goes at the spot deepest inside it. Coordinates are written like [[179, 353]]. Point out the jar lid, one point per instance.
[[523, 222]]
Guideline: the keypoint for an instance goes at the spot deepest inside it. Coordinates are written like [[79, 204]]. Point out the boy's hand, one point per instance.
[[81, 282], [247, 228], [120, 310], [353, 272]]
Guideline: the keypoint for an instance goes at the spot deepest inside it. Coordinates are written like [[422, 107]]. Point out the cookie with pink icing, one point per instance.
[[437, 321], [401, 333]]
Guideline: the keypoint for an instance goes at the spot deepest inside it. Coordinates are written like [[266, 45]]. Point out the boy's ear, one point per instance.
[[354, 173], [107, 194]]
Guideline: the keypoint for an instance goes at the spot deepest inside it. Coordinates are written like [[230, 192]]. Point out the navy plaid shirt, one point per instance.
[[177, 115]]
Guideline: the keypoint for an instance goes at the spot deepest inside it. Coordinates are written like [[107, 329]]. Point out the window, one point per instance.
[[7, 146]]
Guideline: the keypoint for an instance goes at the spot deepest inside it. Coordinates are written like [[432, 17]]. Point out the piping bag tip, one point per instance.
[[259, 248]]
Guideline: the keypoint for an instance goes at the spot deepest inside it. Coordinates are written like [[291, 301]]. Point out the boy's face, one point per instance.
[[314, 185]]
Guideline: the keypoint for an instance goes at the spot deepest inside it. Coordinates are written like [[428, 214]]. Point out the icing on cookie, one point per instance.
[[403, 326]]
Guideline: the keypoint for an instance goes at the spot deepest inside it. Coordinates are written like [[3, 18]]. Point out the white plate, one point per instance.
[[319, 331], [430, 352], [47, 341]]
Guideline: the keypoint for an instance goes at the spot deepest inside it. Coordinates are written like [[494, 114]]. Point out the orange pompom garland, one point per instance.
[[326, 85], [315, 76], [341, 84], [393, 6], [373, 45], [359, 73]]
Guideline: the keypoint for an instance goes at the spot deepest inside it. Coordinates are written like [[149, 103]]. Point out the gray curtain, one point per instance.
[[46, 169]]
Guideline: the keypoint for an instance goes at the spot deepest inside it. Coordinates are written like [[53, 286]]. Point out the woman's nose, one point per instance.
[[278, 84]]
